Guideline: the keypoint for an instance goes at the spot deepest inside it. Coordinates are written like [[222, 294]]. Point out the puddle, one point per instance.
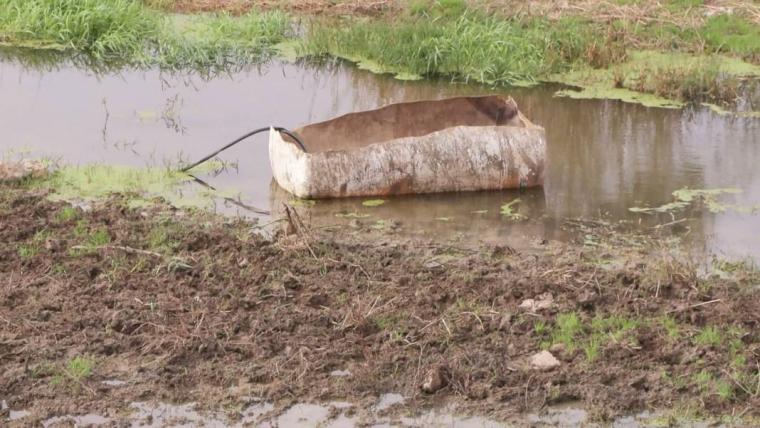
[[337, 415], [83, 420], [604, 157], [13, 415], [388, 400]]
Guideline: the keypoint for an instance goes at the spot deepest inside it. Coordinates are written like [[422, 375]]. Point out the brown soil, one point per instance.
[[192, 307]]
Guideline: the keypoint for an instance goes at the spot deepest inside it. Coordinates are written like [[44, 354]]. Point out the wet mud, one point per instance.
[[185, 306]]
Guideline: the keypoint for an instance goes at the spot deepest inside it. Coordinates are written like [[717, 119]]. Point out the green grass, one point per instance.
[[732, 34], [74, 373], [126, 31], [708, 336], [469, 47], [33, 247], [591, 336], [103, 28], [163, 237], [221, 40], [66, 214], [567, 328], [88, 238], [671, 327]]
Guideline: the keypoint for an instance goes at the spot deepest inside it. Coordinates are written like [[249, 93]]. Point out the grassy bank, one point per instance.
[[125, 31], [656, 62], [665, 54]]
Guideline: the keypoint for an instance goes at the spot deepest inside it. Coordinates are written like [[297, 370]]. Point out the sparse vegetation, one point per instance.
[[74, 373], [399, 317], [592, 335]]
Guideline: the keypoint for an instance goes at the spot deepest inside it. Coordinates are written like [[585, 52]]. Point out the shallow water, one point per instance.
[[604, 156], [338, 415]]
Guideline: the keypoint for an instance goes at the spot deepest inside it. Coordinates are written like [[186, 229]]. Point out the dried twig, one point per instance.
[[128, 250]]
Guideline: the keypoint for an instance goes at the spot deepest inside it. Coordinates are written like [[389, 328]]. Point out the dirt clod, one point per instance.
[[544, 360], [437, 378]]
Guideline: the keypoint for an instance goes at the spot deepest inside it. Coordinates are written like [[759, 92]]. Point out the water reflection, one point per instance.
[[603, 156]]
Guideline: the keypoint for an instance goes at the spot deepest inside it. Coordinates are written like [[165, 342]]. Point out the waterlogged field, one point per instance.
[[608, 160], [628, 283]]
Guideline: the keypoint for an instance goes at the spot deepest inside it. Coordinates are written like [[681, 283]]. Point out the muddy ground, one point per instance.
[[187, 306]]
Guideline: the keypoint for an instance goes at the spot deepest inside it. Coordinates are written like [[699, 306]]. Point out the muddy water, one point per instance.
[[604, 156], [335, 414]]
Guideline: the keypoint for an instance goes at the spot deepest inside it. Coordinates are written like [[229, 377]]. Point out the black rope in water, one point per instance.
[[237, 202], [292, 135]]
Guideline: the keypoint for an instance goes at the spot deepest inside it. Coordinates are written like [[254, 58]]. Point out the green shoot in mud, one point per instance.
[[570, 331], [709, 336], [67, 213], [671, 327], [74, 373], [34, 246]]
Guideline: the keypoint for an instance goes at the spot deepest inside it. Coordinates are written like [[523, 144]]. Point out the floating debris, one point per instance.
[[373, 202]]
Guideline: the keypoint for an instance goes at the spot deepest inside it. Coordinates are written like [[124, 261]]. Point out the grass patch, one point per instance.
[[34, 245], [469, 47], [708, 336], [67, 214], [732, 34], [75, 372], [103, 28], [591, 336], [163, 237], [220, 40], [659, 79], [89, 238], [126, 31], [671, 327]]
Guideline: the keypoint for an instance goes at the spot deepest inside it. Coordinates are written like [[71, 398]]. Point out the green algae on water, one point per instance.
[[373, 202], [509, 210], [685, 198], [657, 79], [92, 182]]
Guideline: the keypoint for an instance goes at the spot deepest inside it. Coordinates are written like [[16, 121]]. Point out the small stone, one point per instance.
[[542, 301], [433, 265], [436, 379], [544, 360]]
